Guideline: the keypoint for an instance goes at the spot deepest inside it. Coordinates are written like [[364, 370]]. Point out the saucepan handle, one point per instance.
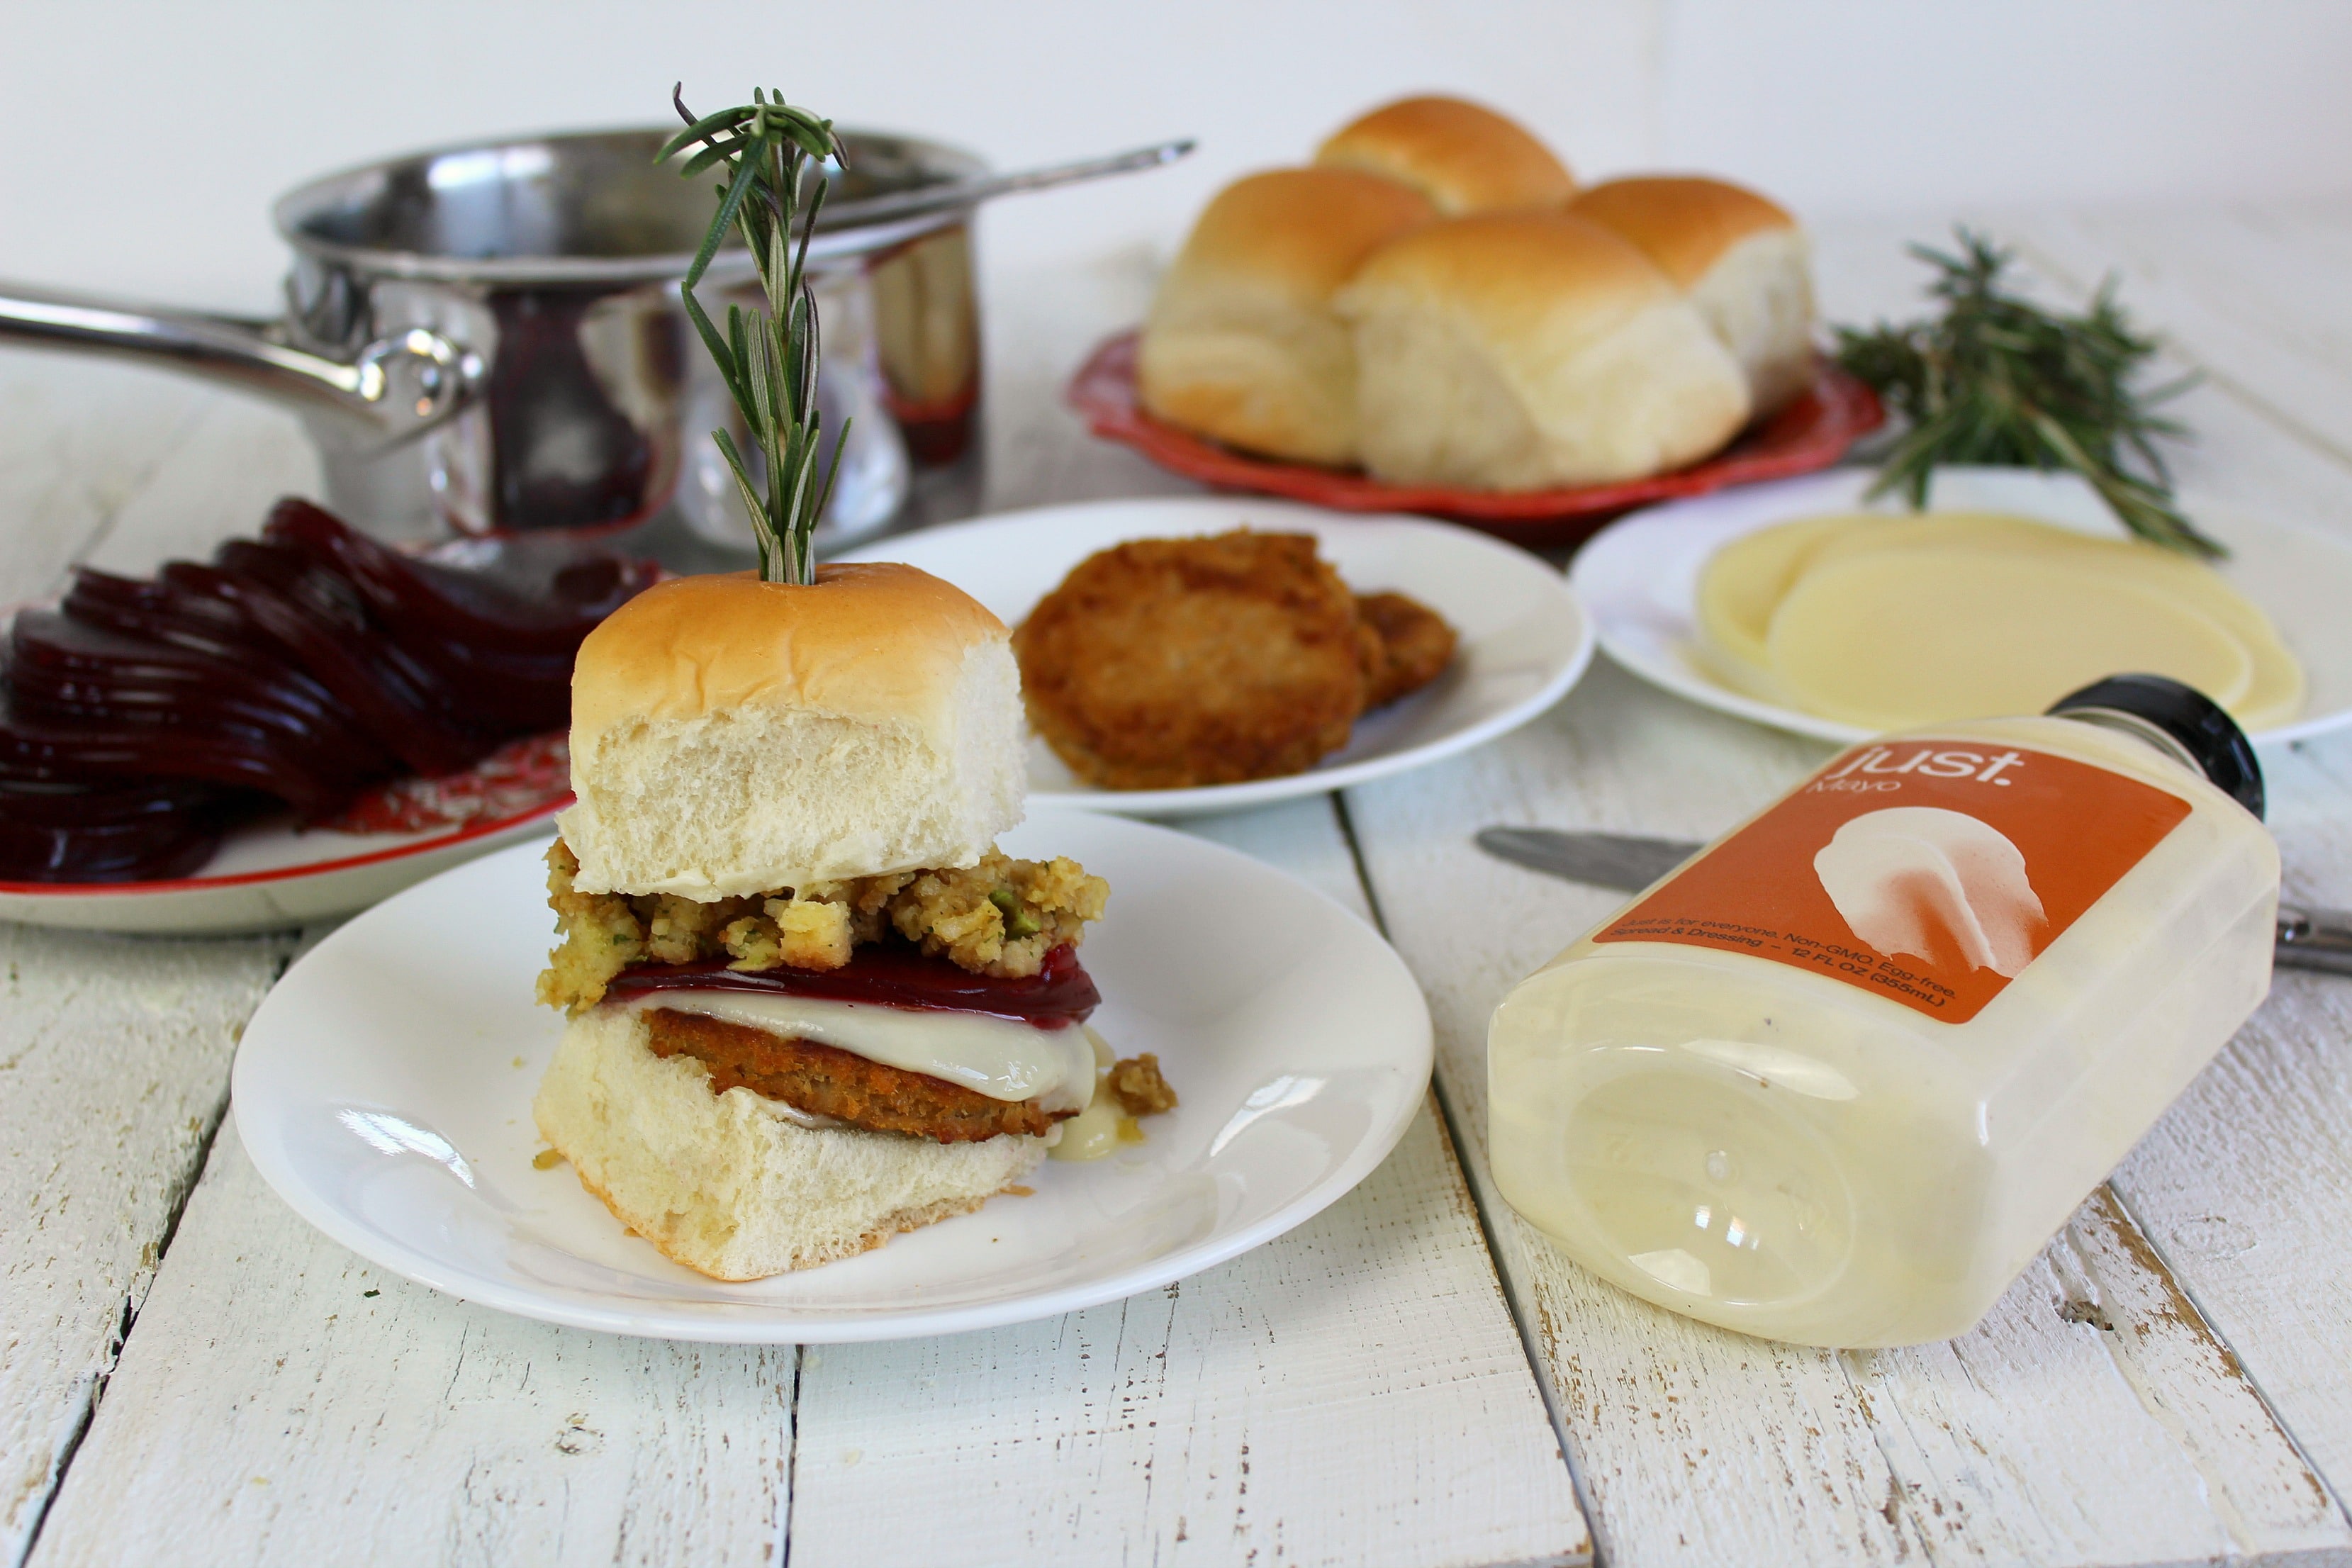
[[396, 387]]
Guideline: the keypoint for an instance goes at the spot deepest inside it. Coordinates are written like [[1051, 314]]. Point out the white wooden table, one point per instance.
[[189, 1373]]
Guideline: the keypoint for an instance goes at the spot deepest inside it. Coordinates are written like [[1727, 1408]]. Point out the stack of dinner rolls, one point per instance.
[[1437, 301]]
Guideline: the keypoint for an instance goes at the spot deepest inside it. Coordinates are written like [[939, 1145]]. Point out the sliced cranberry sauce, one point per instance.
[[1059, 995]]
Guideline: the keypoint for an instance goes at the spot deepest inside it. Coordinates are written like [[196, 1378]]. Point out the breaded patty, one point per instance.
[[1416, 645], [1164, 663], [824, 1080]]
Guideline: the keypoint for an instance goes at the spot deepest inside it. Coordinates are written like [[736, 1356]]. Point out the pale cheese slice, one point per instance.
[[2274, 696], [1744, 582], [1889, 640]]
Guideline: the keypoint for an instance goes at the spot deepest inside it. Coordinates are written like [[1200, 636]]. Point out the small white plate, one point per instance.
[[384, 1088], [269, 876], [1638, 578], [1524, 641]]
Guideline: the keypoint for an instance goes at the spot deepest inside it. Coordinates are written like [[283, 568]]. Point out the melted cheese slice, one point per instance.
[[1000, 1057], [1890, 639]]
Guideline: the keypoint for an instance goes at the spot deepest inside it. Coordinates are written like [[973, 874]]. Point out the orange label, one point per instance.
[[1929, 871]]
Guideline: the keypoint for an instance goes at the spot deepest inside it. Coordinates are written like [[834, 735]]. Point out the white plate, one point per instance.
[[268, 875], [384, 1087], [1524, 640], [1638, 579]]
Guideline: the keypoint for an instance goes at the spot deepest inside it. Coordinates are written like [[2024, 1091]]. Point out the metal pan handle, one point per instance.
[[396, 388]]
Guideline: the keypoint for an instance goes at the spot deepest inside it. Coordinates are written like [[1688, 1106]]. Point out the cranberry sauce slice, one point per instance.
[[409, 722], [143, 831], [59, 665], [303, 666], [894, 974], [544, 611]]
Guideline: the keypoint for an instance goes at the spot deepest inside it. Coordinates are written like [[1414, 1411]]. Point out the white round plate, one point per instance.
[[1638, 579], [269, 876], [384, 1090], [1523, 642]]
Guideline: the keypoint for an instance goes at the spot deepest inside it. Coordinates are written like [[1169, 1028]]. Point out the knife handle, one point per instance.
[[2313, 939]]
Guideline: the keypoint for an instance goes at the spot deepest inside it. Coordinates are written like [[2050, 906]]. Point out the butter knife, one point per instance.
[[2308, 938]]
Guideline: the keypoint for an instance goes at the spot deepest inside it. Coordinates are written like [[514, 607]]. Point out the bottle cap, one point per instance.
[[2176, 718]]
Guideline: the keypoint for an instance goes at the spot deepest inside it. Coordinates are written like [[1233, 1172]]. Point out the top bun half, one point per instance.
[[1241, 344], [731, 736], [1464, 157], [1685, 223], [1742, 260]]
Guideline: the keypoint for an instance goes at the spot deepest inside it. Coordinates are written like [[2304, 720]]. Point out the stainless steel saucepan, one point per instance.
[[488, 339]]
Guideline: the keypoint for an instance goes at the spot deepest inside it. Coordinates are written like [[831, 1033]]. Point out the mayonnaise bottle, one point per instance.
[[1837, 1079]]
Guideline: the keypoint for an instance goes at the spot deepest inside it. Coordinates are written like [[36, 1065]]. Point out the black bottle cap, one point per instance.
[[2194, 723]]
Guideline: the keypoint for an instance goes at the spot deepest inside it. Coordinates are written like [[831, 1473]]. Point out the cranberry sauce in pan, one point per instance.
[[895, 976], [142, 719]]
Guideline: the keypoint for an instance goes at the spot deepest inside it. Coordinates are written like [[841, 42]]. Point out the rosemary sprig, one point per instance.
[[773, 155], [1998, 380]]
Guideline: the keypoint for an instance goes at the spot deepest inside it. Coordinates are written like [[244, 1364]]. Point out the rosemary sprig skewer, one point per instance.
[[773, 155], [1998, 380]]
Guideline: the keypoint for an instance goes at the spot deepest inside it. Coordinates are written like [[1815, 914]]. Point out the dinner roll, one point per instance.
[[731, 736], [1241, 344], [1743, 261], [730, 1185], [1462, 157], [1522, 351]]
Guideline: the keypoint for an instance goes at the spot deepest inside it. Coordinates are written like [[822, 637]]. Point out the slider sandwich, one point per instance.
[[811, 1004]]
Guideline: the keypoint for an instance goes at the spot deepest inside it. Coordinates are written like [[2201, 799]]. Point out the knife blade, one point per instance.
[[2308, 937]]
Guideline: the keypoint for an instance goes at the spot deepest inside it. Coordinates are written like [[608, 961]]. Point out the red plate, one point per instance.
[[1811, 433]]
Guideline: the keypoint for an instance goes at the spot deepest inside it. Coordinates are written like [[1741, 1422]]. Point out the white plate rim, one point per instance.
[[227, 905], [782, 1326], [1639, 536], [1223, 511]]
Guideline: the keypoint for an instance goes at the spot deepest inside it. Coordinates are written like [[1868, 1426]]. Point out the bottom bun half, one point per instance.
[[727, 1184]]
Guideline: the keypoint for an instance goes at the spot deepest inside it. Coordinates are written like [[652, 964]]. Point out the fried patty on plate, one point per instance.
[[1164, 663], [1416, 645]]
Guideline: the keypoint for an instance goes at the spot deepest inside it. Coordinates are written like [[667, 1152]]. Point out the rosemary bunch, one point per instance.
[[1998, 380], [773, 155]]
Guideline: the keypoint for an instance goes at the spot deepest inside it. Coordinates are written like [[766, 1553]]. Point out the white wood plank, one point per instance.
[[76, 441], [114, 1059], [239, 457], [1697, 1446], [282, 1402], [2255, 296], [1352, 1392], [2244, 1218], [1042, 323], [2243, 1185], [124, 466]]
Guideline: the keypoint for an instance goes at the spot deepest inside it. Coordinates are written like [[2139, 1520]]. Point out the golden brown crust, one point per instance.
[[1514, 278], [1296, 233], [1465, 157], [1684, 223], [1241, 345], [1166, 663], [824, 1080], [1415, 645], [868, 638]]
